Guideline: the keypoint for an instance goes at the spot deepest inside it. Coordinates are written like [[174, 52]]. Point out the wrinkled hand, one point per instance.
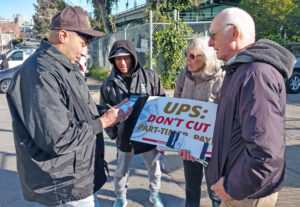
[[218, 187], [114, 115], [185, 154]]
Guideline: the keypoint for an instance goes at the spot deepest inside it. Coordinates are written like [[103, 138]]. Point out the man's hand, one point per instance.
[[129, 109], [218, 187], [185, 154], [114, 115]]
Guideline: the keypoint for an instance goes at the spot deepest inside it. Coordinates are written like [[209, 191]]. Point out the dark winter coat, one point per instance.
[[59, 156], [4, 63], [249, 135], [115, 89]]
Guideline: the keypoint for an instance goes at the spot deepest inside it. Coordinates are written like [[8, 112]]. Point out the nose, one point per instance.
[[210, 42], [187, 59], [123, 61]]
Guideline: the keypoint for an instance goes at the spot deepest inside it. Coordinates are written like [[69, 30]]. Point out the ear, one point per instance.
[[63, 35], [235, 32]]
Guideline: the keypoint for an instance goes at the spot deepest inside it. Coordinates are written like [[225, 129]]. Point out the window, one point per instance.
[[16, 56]]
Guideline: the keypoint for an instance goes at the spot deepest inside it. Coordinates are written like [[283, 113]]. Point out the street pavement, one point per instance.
[[173, 185]]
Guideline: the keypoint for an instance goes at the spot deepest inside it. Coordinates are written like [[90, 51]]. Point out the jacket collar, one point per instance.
[[232, 65], [199, 76], [56, 54]]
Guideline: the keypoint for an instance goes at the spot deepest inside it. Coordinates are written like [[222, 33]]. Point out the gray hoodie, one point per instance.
[[249, 135]]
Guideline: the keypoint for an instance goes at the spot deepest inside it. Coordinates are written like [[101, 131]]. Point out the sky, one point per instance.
[[25, 7]]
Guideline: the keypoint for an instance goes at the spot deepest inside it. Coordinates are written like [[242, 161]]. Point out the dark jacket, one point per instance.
[[115, 89], [59, 156], [249, 135], [4, 63]]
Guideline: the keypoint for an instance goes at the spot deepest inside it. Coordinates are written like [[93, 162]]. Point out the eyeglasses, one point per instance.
[[191, 55], [86, 37], [213, 34]]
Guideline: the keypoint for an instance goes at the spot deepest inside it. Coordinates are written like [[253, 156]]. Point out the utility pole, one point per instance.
[[151, 38]]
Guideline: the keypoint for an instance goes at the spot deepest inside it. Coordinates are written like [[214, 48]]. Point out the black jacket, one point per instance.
[[59, 156], [115, 89], [4, 63], [249, 134]]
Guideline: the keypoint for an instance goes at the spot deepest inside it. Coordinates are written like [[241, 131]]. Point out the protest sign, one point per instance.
[[192, 119]]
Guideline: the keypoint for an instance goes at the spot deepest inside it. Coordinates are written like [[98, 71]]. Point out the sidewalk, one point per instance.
[[173, 183]]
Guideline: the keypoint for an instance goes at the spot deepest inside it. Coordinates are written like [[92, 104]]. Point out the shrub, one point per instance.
[[99, 72], [171, 43]]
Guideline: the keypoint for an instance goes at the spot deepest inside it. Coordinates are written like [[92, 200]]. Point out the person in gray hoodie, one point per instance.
[[248, 158], [201, 80]]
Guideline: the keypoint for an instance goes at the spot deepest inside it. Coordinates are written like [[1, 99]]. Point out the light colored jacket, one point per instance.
[[199, 86]]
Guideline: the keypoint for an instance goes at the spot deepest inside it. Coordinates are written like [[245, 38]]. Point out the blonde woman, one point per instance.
[[201, 79]]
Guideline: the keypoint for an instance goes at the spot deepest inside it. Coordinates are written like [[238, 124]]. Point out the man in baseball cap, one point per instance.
[[76, 20], [69, 24], [57, 128]]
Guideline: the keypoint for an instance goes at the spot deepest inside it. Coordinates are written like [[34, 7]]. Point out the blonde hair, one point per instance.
[[212, 63]]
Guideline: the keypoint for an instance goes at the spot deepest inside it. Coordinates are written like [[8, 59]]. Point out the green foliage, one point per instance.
[[171, 43], [16, 41], [162, 10], [278, 20], [99, 72]]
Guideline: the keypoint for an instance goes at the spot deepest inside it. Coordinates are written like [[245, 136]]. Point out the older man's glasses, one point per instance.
[[191, 56], [213, 34], [87, 38]]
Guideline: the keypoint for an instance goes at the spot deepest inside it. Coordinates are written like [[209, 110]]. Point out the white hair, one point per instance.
[[242, 20], [212, 63]]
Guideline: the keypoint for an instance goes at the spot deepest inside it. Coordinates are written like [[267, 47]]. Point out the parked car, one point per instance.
[[82, 65], [293, 83], [5, 78], [83, 62], [18, 56]]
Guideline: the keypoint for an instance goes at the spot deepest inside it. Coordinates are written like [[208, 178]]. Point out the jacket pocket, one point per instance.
[[62, 166]]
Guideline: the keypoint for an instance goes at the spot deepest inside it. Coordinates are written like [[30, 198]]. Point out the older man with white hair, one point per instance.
[[248, 159]]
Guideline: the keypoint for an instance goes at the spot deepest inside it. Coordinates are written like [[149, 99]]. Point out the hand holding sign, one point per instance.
[[192, 121]]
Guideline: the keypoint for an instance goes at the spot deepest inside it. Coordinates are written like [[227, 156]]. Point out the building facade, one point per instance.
[[9, 28], [206, 11]]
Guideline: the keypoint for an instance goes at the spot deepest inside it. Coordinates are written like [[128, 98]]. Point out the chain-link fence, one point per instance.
[[140, 38]]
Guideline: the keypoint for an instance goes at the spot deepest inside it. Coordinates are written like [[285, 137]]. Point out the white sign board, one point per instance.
[[194, 120]]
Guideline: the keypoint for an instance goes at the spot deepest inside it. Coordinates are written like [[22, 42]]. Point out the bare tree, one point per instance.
[[102, 11]]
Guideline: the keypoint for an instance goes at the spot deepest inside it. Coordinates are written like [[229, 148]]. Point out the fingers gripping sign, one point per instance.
[[185, 154]]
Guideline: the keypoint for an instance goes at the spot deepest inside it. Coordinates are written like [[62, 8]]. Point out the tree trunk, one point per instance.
[[104, 16]]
